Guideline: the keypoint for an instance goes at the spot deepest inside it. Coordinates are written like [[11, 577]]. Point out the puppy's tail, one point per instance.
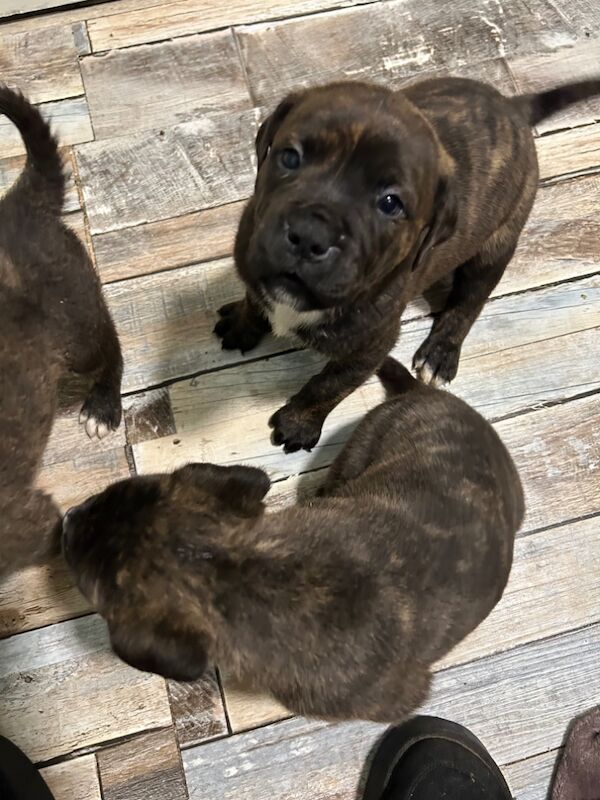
[[536, 107], [43, 174], [395, 378]]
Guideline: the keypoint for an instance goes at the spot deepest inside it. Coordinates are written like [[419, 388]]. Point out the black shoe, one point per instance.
[[431, 759], [19, 779]]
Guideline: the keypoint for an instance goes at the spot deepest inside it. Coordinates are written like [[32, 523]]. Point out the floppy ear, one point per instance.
[[443, 222], [243, 489], [268, 129], [176, 653], [240, 489]]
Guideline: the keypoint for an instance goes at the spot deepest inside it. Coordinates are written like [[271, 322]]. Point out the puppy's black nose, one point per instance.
[[310, 235]]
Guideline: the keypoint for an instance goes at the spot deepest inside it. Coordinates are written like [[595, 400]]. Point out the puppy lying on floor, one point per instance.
[[52, 318], [366, 197], [339, 606]]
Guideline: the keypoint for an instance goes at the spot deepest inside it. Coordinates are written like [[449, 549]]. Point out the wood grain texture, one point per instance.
[[71, 481], [62, 690], [507, 366], [584, 15], [166, 331], [11, 168], [74, 467], [168, 243], [530, 779], [519, 703], [397, 39], [533, 73], [522, 701], [557, 451], [41, 63], [151, 86], [154, 175], [73, 780], [560, 240], [39, 596], [165, 322], [70, 122], [247, 709], [183, 17], [569, 152], [197, 709], [148, 415], [146, 768]]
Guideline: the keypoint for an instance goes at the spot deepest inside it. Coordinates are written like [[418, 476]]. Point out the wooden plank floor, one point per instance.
[[157, 105]]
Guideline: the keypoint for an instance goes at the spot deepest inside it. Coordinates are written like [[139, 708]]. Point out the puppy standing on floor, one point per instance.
[[338, 607], [52, 319], [366, 197]]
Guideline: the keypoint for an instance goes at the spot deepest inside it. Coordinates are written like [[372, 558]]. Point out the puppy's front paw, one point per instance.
[[235, 330], [101, 412], [295, 429], [436, 361]]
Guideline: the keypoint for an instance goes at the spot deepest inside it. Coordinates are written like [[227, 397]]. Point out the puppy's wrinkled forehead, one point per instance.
[[361, 126]]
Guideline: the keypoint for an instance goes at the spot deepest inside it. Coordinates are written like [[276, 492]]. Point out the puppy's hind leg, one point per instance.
[[436, 360]]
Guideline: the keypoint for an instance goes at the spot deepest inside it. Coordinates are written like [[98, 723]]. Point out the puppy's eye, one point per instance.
[[391, 205], [290, 158]]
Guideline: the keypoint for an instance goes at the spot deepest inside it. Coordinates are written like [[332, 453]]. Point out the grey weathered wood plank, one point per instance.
[[183, 17], [584, 15], [197, 709], [168, 243], [167, 332], [569, 152], [530, 779], [39, 596], [165, 322], [153, 175], [152, 86], [397, 39], [70, 122], [74, 15], [559, 240], [73, 780], [537, 73], [42, 63], [519, 703], [518, 354], [62, 690], [557, 451], [146, 768]]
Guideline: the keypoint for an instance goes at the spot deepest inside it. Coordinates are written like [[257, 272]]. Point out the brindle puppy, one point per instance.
[[52, 318], [338, 606], [366, 197]]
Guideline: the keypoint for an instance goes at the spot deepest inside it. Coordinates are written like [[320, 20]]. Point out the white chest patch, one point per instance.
[[285, 320]]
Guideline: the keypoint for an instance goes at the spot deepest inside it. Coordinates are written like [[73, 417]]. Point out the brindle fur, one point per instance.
[[463, 160], [52, 318], [338, 606]]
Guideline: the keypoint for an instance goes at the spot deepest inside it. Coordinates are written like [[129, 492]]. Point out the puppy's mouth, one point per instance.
[[290, 290]]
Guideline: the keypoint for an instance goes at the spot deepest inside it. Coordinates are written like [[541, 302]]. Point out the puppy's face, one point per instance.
[[144, 553], [351, 186]]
